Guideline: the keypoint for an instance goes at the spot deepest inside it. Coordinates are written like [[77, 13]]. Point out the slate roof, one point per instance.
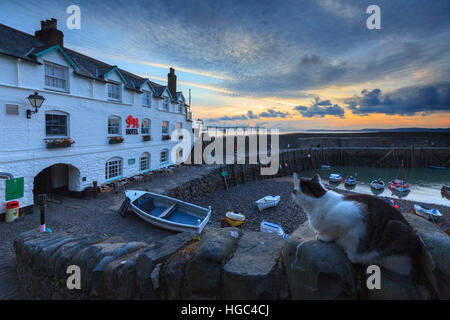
[[22, 45]]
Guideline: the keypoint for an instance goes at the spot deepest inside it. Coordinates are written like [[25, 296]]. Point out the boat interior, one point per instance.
[[169, 210]]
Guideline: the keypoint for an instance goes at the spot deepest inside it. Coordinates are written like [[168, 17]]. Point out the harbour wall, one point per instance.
[[224, 263]]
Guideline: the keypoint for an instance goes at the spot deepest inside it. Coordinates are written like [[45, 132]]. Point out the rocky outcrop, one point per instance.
[[320, 270], [204, 269], [255, 271], [315, 269]]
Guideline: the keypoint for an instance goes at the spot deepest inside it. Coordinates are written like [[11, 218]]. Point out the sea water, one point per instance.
[[425, 184]]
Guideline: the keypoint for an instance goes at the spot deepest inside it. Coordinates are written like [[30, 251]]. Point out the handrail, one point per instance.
[[6, 175]]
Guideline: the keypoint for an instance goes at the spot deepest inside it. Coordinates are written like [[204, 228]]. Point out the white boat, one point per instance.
[[377, 184], [427, 213], [350, 181], [267, 202], [166, 212], [335, 177]]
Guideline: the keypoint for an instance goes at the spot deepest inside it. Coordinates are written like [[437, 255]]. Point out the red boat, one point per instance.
[[399, 185]]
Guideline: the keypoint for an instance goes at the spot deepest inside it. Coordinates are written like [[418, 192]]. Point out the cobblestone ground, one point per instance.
[[89, 215]]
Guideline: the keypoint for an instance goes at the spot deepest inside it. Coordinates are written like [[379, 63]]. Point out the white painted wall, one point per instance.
[[23, 151]]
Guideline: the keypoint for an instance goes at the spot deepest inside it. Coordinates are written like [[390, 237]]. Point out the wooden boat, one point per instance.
[[335, 177], [437, 168], [427, 212], [350, 181], [377, 184], [168, 213], [267, 202], [234, 219], [399, 185]]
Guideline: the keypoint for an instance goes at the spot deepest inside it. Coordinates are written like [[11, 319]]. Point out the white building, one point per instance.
[[87, 101]]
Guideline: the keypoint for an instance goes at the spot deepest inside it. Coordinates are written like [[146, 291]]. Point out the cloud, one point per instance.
[[405, 101], [233, 118], [270, 113], [320, 108], [312, 59]]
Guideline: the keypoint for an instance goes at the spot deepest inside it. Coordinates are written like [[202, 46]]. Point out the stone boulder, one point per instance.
[[156, 253], [172, 273], [255, 272], [204, 270], [315, 269], [438, 245]]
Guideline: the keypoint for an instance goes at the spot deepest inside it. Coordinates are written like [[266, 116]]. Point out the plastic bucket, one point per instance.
[[12, 211]]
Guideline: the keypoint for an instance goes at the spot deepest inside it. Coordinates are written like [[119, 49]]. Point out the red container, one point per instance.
[[12, 204]]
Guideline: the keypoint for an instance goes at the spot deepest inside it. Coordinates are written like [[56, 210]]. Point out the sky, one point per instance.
[[293, 65]]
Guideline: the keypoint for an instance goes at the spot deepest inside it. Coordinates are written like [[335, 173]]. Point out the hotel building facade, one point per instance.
[[97, 122]]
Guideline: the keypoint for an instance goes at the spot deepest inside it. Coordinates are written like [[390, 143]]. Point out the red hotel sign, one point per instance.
[[132, 125]]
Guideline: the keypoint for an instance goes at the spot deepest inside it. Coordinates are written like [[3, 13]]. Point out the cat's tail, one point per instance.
[[425, 270]]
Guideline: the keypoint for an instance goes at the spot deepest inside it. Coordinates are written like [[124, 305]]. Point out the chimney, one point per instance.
[[172, 82], [49, 33]]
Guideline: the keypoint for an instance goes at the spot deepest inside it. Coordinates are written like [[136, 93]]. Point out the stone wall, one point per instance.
[[218, 264]]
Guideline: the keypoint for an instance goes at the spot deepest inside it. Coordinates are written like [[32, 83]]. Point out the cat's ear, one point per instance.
[[296, 180], [316, 178]]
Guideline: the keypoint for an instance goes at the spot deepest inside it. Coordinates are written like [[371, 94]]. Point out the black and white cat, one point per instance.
[[368, 229]]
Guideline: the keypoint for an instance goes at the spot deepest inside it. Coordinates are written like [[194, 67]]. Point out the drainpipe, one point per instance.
[[6, 175]]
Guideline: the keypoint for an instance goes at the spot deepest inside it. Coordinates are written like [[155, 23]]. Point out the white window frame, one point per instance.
[[119, 119], [114, 85], [144, 162], [148, 128], [57, 113], [51, 77], [164, 160], [147, 99], [113, 165], [166, 104]]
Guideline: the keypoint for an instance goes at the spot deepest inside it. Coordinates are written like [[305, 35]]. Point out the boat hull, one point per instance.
[[267, 204], [202, 214]]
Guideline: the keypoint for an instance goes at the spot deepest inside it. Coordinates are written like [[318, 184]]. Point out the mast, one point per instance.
[[401, 171]]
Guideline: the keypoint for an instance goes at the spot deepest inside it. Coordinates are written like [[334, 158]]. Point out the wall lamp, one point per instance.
[[36, 101]]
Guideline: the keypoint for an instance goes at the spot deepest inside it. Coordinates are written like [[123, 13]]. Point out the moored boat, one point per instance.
[[350, 181], [234, 219], [400, 185], [427, 212], [166, 212], [377, 184], [437, 168], [335, 177], [267, 202]]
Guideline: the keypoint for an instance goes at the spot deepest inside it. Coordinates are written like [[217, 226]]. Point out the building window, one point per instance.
[[180, 107], [113, 168], [114, 91], [166, 104], [56, 77], [114, 125], [55, 124], [146, 99], [145, 127], [179, 125], [165, 128], [164, 159], [144, 162]]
